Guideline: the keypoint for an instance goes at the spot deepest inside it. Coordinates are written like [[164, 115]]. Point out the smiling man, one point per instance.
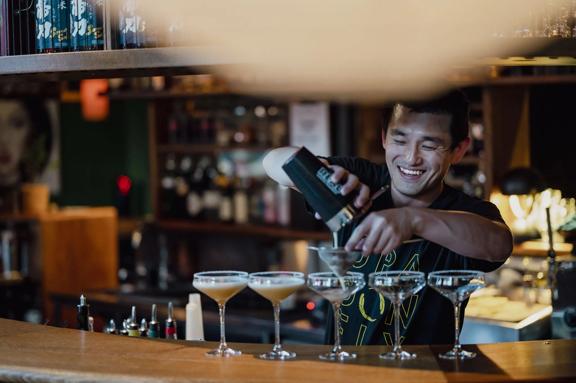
[[421, 142]]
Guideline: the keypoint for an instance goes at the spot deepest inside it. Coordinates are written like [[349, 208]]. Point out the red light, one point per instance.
[[124, 184], [310, 306]]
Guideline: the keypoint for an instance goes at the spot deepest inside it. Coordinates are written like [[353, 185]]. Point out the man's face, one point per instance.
[[418, 152]]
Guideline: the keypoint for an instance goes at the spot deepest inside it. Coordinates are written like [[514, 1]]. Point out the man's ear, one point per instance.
[[460, 150]]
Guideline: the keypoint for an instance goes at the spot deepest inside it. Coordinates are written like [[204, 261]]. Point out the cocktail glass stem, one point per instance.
[[397, 348], [337, 347], [277, 346], [222, 311], [457, 347]]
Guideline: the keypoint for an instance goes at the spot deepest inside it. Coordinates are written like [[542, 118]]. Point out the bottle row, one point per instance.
[[557, 19], [221, 190], [47, 26], [225, 124]]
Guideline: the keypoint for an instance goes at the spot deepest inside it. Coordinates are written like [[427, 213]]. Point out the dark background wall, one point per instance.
[[553, 135], [93, 155]]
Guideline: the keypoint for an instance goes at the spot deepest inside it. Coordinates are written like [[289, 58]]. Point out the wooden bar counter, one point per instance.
[[35, 353]]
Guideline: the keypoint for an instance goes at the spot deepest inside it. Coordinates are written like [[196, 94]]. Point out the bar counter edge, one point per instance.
[[30, 352]]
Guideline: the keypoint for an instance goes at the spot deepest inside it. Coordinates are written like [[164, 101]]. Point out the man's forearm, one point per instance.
[[273, 162], [464, 233]]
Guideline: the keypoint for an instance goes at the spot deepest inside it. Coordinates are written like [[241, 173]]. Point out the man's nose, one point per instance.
[[412, 155]]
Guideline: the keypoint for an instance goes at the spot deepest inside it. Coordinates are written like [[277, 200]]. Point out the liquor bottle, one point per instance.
[[269, 202], [226, 210], [182, 187], [17, 28], [256, 202], [283, 205], [241, 208], [174, 32], [131, 26], [86, 25], [212, 194], [178, 125], [167, 185], [51, 26], [194, 200]]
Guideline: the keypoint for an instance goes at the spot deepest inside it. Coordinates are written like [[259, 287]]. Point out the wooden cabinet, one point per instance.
[[75, 250]]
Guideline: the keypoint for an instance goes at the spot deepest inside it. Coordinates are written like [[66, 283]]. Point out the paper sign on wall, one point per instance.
[[309, 126]]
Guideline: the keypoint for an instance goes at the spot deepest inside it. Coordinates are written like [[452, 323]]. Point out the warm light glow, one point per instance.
[[95, 104], [546, 198], [516, 208]]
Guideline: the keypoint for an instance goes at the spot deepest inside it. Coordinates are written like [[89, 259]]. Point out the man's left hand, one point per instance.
[[382, 231]]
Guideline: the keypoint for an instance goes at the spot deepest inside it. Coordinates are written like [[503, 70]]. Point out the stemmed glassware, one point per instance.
[[397, 286], [276, 286], [221, 286], [336, 289], [456, 285]]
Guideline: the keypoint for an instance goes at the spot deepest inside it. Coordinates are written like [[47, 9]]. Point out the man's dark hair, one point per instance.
[[454, 104]]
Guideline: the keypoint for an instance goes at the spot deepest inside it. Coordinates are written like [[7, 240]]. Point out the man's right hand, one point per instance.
[[351, 183]]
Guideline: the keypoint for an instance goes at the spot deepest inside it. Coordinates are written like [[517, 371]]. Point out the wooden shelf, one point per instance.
[[246, 230], [159, 94], [206, 148], [126, 226], [198, 59], [112, 63]]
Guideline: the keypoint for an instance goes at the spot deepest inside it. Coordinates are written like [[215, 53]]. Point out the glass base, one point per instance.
[[339, 356], [397, 355], [278, 355], [223, 352], [457, 355]]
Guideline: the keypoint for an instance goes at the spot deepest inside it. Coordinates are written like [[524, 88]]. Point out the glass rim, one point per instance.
[[456, 273], [326, 275], [333, 250], [220, 274], [273, 274], [393, 273]]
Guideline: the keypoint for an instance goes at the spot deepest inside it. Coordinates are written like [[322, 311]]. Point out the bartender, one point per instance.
[[421, 141]]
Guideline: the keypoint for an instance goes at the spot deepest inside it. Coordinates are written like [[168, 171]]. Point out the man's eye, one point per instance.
[[399, 142], [429, 147]]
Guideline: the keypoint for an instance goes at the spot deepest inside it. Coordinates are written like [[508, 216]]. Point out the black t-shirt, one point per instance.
[[427, 317]]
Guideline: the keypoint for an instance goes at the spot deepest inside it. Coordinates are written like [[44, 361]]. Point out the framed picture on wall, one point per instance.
[[29, 143]]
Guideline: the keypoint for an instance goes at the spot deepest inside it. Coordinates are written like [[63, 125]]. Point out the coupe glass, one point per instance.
[[456, 285], [336, 289], [276, 286], [337, 258], [397, 286], [221, 286]]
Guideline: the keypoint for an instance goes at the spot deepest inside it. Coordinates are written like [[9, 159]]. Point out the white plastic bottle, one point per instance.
[[194, 325]]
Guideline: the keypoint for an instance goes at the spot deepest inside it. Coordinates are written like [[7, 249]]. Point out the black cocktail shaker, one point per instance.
[[312, 178]]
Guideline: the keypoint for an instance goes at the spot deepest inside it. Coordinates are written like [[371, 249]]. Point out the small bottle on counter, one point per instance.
[[143, 327], [170, 325], [154, 325], [124, 329], [194, 324], [83, 314], [111, 328], [133, 329]]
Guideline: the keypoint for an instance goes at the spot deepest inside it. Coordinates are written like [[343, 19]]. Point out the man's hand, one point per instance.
[[350, 183], [382, 231]]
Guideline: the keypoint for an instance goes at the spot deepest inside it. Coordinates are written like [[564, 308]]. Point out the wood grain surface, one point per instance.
[[30, 353]]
